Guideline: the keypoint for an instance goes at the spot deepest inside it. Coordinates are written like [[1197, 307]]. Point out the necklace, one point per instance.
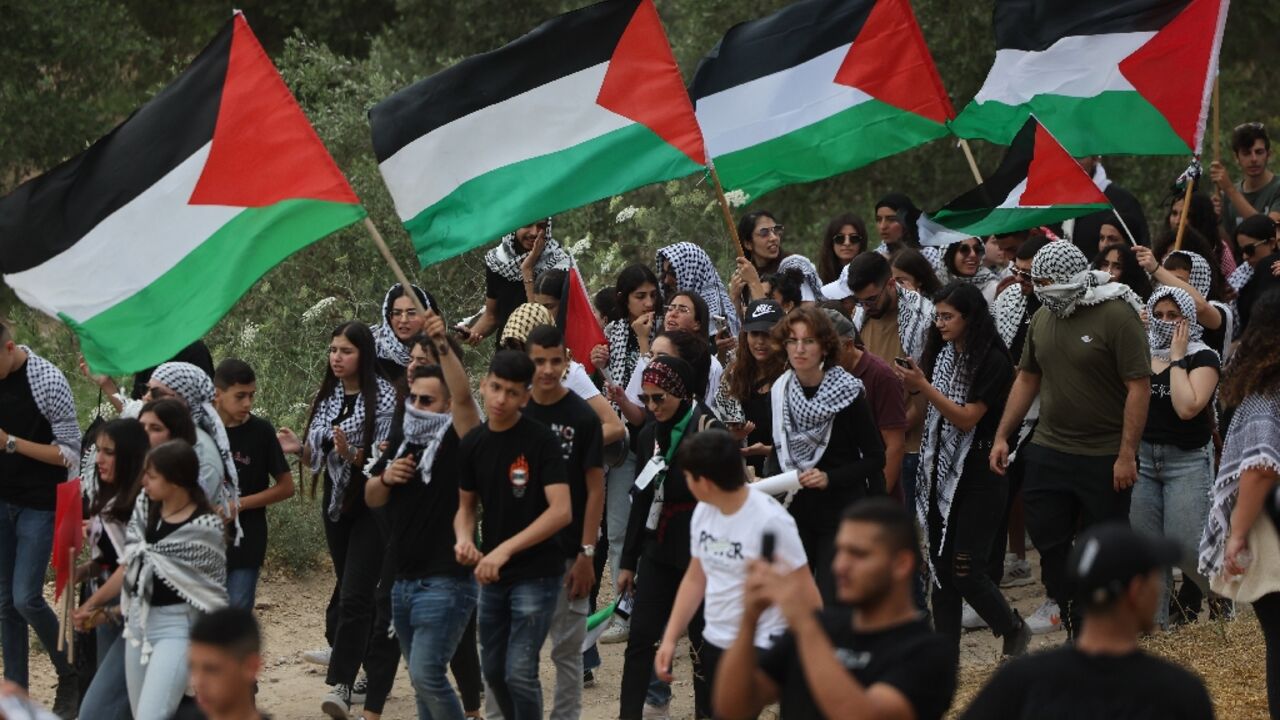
[[165, 518]]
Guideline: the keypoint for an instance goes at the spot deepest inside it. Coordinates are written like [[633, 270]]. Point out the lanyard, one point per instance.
[[677, 434]]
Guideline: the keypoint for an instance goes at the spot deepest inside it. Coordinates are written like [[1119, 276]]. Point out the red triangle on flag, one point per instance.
[[1055, 178], [1171, 70], [643, 84], [890, 61], [578, 321], [264, 148]]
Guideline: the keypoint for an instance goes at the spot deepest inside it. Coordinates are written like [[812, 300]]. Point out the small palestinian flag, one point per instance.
[[818, 88], [1037, 183], [1107, 77], [144, 241], [577, 318], [588, 105]]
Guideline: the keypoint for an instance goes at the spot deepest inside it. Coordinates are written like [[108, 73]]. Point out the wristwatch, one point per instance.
[[1182, 362], [11, 445], [588, 550]]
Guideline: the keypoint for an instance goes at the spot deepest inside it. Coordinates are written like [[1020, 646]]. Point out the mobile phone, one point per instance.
[[461, 332], [902, 362], [767, 542]]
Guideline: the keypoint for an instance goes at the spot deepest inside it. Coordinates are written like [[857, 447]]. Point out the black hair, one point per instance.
[[397, 291], [631, 279], [789, 286], [1028, 249], [176, 461], [426, 343], [913, 262], [359, 335], [1259, 227], [700, 312], [233, 371], [606, 303], [949, 255], [828, 265], [1131, 273], [545, 336], [232, 630], [694, 349], [980, 334], [869, 268], [747, 228], [713, 454], [427, 371], [512, 366], [174, 415], [551, 283], [1244, 136], [131, 446], [897, 526]]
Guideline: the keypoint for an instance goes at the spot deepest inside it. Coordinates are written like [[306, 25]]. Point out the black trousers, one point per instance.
[[656, 586], [1014, 474], [1267, 608], [466, 667], [1062, 494], [961, 560], [382, 654], [820, 548], [357, 548]]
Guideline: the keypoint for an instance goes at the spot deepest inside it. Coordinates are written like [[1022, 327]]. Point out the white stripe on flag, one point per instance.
[[1081, 66]]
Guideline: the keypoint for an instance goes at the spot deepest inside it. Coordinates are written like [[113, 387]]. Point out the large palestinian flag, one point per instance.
[[145, 240], [818, 88], [1107, 77], [1037, 183], [590, 104]]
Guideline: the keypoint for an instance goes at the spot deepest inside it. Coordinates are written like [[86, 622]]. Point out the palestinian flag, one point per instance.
[[577, 318], [818, 88], [1107, 77], [144, 241], [1037, 183], [588, 105]]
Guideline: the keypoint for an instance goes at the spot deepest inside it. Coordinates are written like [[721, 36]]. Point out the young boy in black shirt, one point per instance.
[[258, 458], [512, 465]]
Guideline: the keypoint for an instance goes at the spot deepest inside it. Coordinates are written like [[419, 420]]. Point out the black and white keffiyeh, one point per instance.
[[1073, 284], [424, 429], [507, 257], [981, 279], [696, 273], [811, 288], [1160, 332], [943, 447], [320, 431], [196, 389], [53, 398], [191, 561], [1240, 276], [388, 344], [802, 425], [1201, 274], [915, 316], [1253, 441], [1009, 311], [624, 350]]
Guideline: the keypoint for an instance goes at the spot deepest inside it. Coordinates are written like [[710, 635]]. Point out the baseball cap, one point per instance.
[[844, 326], [838, 289], [762, 315], [1107, 556]]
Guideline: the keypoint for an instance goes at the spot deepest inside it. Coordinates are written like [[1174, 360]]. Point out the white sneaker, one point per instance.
[[971, 620], [1016, 573], [618, 632], [317, 657], [360, 689], [656, 712], [337, 704], [1046, 619]]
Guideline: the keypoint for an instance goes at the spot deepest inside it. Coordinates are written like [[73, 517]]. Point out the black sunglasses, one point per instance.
[[421, 399], [1249, 250], [966, 250], [846, 238], [654, 399]]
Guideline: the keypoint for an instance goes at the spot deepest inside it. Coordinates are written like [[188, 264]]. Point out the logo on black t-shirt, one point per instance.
[[853, 659], [518, 475]]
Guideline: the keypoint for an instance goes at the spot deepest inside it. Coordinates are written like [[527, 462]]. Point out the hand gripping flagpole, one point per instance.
[[1189, 177]]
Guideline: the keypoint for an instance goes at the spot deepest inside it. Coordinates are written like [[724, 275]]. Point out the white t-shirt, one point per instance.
[[579, 382], [725, 544]]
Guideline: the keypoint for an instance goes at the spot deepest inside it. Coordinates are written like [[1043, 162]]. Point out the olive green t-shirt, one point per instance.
[[1083, 362], [1264, 200]]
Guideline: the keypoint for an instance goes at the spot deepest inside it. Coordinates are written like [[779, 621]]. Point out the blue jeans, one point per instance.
[[514, 620], [156, 687], [103, 700], [617, 508], [430, 615], [1171, 498], [242, 587], [26, 539]]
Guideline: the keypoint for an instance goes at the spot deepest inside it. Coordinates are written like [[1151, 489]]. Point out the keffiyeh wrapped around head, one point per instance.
[[1253, 441], [811, 288], [523, 320], [1201, 274], [1072, 283], [320, 432], [389, 345], [670, 374], [196, 389], [695, 272], [507, 257], [1160, 332]]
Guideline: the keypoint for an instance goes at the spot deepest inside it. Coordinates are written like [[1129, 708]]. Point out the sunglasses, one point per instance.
[[767, 231], [421, 400], [1249, 250], [966, 250], [654, 399], [846, 238], [1020, 274], [871, 301]]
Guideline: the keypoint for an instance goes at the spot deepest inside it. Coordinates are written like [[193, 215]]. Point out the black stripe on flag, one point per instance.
[[48, 214], [789, 37], [1036, 24], [1013, 170], [559, 47]]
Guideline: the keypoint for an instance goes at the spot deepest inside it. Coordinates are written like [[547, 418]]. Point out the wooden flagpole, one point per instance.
[[1186, 210], [728, 213], [395, 266], [973, 164]]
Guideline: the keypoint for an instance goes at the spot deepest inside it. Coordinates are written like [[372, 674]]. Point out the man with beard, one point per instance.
[[872, 655], [510, 269]]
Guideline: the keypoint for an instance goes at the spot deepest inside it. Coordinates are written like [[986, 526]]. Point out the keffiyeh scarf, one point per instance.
[[194, 387], [192, 561], [624, 350], [506, 258], [802, 425], [915, 316], [321, 430], [943, 447], [1201, 274], [1160, 332], [1073, 283], [389, 345], [984, 277], [52, 395], [424, 429], [523, 320], [1252, 442], [811, 287], [1010, 311], [696, 273]]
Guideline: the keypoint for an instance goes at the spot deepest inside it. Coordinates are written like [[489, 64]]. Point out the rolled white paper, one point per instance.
[[778, 484]]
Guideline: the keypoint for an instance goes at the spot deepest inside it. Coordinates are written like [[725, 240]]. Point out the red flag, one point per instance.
[[67, 533], [578, 320]]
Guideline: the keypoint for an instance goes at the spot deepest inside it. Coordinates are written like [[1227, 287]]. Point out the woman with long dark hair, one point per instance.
[[965, 374], [746, 384], [165, 420], [912, 270], [350, 416], [844, 239], [1120, 262], [761, 238], [962, 262]]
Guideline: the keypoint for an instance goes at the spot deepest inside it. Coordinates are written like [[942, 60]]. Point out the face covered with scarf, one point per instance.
[[1064, 282], [1167, 307], [665, 386]]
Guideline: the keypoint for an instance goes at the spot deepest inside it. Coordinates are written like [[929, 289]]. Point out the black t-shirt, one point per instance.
[[107, 556], [1064, 683], [422, 515], [23, 481], [1164, 427], [910, 657], [1217, 337], [990, 385], [853, 462], [161, 593], [581, 437], [507, 295], [758, 408], [509, 470], [258, 457], [1020, 337]]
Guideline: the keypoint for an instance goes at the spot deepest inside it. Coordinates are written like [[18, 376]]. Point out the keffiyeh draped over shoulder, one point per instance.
[[624, 350], [943, 446], [1253, 441], [696, 273], [384, 336], [320, 431], [52, 394], [506, 258], [1009, 311], [811, 288], [915, 316], [196, 389], [802, 425], [1073, 284]]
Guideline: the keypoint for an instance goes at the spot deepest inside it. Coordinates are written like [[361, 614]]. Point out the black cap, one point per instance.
[[1106, 557], [761, 316]]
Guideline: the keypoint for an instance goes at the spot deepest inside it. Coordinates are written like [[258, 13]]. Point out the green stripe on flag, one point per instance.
[[983, 222], [1112, 123], [845, 141], [488, 206], [185, 302]]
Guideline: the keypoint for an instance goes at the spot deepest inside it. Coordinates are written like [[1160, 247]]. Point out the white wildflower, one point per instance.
[[248, 334], [315, 311], [626, 214], [736, 198], [580, 246]]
